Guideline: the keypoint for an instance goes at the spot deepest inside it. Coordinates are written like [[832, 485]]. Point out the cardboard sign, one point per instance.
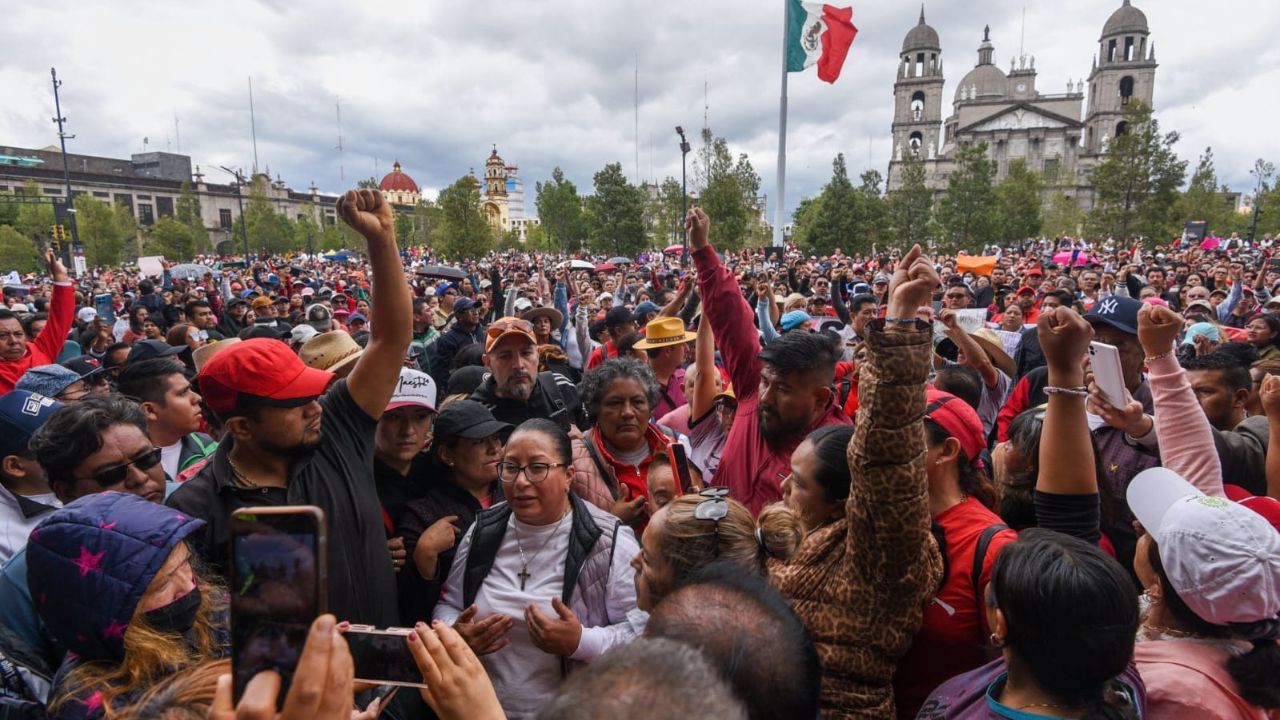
[[151, 265]]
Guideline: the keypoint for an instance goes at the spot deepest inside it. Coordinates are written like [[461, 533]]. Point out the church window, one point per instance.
[[1126, 89], [1122, 128], [1051, 166], [915, 142], [919, 64], [1128, 49], [1111, 51], [917, 106]]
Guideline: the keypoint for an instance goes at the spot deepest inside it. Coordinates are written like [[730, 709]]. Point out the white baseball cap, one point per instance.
[[414, 388], [606, 296], [300, 334], [1222, 558], [523, 304], [86, 314]]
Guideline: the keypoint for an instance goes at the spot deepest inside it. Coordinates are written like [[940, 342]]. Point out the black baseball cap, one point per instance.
[[148, 349], [618, 315], [467, 419], [1119, 312]]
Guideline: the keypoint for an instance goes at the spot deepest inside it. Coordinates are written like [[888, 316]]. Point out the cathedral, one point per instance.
[[1010, 113], [502, 195]]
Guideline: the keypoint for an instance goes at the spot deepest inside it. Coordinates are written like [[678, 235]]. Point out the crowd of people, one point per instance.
[[745, 485]]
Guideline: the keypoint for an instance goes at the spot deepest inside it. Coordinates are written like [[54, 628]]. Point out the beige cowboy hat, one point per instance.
[[203, 354], [990, 343], [557, 319], [665, 332], [333, 351]]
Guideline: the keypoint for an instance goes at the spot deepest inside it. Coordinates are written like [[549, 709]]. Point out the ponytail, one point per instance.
[[778, 533], [1258, 671]]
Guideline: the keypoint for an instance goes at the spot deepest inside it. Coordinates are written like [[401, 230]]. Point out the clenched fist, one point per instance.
[[367, 213], [1158, 329]]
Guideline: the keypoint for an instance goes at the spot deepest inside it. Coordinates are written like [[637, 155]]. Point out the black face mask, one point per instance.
[[178, 616]]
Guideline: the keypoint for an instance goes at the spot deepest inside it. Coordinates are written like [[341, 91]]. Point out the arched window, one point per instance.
[[1126, 89], [917, 106], [915, 142], [1122, 128]]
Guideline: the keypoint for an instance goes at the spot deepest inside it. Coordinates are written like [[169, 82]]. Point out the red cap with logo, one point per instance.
[[263, 370], [959, 420]]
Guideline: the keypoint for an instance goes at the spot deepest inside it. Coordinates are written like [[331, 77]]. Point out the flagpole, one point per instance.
[[779, 211]]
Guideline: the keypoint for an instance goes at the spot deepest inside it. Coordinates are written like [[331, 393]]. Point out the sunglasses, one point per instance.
[[715, 507], [116, 475]]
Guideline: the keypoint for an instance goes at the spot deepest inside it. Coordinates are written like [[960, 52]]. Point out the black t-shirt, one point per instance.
[[338, 479]]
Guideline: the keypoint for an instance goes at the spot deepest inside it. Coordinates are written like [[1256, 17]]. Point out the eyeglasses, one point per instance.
[[714, 508], [116, 475], [536, 472]]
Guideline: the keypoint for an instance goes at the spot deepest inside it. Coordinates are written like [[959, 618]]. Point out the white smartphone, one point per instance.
[[1104, 360], [382, 656]]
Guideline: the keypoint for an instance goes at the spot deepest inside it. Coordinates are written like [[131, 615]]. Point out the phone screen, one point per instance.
[[277, 589], [383, 657], [102, 303], [680, 463]]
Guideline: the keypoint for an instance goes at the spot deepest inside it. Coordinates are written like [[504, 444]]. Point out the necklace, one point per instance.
[[1158, 630], [1048, 706], [239, 476], [524, 563]]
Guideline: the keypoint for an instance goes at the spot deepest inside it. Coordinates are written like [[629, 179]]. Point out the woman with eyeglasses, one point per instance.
[[115, 583], [868, 563], [542, 581]]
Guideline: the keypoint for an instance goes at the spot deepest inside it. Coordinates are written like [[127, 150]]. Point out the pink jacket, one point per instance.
[[1188, 680], [1186, 438]]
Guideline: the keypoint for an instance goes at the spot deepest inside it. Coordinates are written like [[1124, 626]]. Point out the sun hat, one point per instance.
[[557, 319], [203, 354], [991, 345], [665, 332], [260, 369], [333, 352], [1222, 558]]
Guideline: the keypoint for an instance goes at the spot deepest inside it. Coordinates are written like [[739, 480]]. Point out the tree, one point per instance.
[[426, 216], [1136, 183], [1204, 200], [969, 214], [17, 251], [404, 229], [463, 231], [187, 210], [909, 209], [1064, 216], [104, 228], [172, 239], [724, 192], [833, 218], [268, 230], [665, 213], [307, 235], [369, 183], [560, 209], [615, 214], [1021, 201], [536, 239], [35, 220]]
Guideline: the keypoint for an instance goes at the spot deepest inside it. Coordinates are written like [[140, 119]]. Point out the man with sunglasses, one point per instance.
[[18, 352], [514, 390]]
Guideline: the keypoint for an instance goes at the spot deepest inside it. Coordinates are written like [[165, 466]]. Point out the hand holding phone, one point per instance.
[[1104, 360]]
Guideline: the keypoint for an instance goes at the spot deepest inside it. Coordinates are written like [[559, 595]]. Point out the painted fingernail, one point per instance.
[[413, 637]]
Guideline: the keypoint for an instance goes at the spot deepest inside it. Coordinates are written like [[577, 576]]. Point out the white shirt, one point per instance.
[[15, 526], [169, 457], [523, 676]]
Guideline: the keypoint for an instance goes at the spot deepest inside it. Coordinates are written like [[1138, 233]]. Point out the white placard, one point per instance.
[[151, 265]]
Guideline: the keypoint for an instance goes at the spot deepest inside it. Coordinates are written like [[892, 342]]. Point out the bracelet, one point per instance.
[[901, 320], [1161, 356], [1073, 392]]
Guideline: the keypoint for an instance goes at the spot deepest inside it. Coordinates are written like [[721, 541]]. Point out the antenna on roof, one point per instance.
[[253, 127], [637, 101], [1022, 35], [342, 175], [177, 136]]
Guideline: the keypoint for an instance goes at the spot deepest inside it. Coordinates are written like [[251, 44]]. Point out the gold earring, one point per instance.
[[996, 641]]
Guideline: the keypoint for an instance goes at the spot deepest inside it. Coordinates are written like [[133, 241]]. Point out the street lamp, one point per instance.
[[1264, 171], [684, 192], [244, 224]]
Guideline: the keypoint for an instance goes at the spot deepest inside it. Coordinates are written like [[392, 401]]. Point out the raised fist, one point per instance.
[[367, 213], [1158, 329]]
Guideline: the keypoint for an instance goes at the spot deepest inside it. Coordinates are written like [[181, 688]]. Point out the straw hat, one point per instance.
[[203, 354], [990, 343], [665, 332], [334, 351]]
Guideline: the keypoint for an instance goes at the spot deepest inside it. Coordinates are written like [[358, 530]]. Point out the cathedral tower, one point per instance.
[[1123, 72], [917, 114]]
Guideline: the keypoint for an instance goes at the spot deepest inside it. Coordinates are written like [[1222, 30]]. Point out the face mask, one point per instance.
[[178, 616]]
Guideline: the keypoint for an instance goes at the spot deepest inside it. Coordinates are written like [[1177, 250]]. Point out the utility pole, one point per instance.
[[244, 223], [684, 192], [66, 169]]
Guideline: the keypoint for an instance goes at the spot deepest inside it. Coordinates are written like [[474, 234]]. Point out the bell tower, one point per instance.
[[1123, 72], [917, 113]]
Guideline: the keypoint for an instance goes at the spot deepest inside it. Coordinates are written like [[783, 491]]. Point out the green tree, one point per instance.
[[269, 231], [833, 218], [426, 216], [172, 239], [1021, 199], [722, 192], [1203, 200], [187, 210], [969, 214], [1064, 216], [909, 209], [35, 220], [8, 210], [306, 231], [536, 239], [369, 183], [560, 209], [463, 231], [1136, 183], [666, 213], [104, 230], [615, 214], [404, 229], [17, 251]]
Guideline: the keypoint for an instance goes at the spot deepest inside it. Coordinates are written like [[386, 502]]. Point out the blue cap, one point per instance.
[[795, 319], [462, 305], [47, 380], [22, 413], [1119, 312], [1209, 330], [357, 316], [646, 308]]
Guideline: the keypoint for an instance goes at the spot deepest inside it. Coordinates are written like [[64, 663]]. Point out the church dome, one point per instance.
[[987, 81], [921, 37], [397, 181], [1126, 20]]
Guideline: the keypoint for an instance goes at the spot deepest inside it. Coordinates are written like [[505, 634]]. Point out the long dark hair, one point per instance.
[[1071, 617], [1017, 496]]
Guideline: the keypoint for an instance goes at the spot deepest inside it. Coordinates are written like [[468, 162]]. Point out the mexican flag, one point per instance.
[[818, 34]]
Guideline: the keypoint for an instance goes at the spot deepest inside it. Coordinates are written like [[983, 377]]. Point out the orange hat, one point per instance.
[[508, 327]]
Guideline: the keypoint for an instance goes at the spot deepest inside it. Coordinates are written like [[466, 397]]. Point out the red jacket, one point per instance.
[[44, 349], [752, 468]]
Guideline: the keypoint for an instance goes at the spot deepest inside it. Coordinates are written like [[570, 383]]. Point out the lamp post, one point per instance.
[[684, 192], [244, 224], [66, 171], [1264, 170]]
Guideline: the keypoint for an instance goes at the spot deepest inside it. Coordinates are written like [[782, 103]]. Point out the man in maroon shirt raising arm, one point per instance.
[[18, 353], [784, 391]]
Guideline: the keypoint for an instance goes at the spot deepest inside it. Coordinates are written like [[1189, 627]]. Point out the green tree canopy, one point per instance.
[[1136, 183], [1204, 200], [666, 213], [909, 209], [35, 220], [17, 251], [187, 210], [615, 214], [269, 231], [727, 192], [842, 216], [969, 214], [560, 209], [104, 229], [1021, 199], [463, 231], [172, 239]]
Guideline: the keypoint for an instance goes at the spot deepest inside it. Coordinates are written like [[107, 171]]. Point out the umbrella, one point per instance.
[[189, 271], [621, 261], [338, 257], [605, 267], [674, 249], [1064, 257], [581, 265], [441, 271]]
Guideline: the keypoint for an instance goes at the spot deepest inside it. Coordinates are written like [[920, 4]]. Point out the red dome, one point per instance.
[[398, 181]]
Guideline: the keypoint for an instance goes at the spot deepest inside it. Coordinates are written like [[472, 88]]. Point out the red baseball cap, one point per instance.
[[1035, 271], [959, 420], [260, 369], [1267, 507]]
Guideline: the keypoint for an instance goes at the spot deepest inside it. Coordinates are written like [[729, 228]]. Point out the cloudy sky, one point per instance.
[[551, 82]]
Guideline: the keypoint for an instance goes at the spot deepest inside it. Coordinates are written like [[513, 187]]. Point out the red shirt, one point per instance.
[[608, 351], [44, 349], [953, 636]]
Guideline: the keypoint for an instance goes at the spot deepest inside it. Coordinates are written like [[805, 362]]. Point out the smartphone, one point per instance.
[[278, 587], [1104, 360], [382, 656], [106, 311], [680, 464]]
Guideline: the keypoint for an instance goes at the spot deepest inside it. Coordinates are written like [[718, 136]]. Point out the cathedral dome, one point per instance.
[[921, 37], [984, 82], [397, 181], [1126, 20]]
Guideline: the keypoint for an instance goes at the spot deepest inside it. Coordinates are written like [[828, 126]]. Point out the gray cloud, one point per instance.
[[551, 81]]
